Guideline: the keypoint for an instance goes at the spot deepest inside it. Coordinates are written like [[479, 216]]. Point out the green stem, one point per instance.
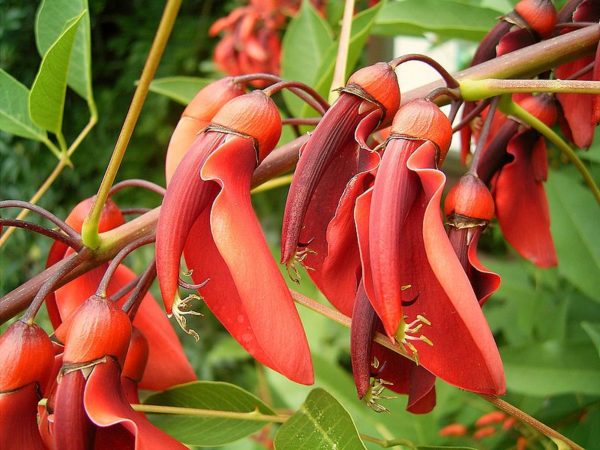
[[472, 90], [89, 233], [53, 148], [387, 443], [272, 184], [253, 416], [508, 107], [341, 62]]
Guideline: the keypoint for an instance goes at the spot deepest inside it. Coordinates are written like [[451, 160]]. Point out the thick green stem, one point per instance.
[[89, 233], [510, 108], [472, 90], [272, 184]]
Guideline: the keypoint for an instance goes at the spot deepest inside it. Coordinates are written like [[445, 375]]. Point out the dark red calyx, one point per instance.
[[469, 199], [254, 115], [98, 328], [26, 356], [423, 119]]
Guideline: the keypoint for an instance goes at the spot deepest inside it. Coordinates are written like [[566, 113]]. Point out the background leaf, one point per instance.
[[52, 18], [208, 431], [180, 89], [575, 218], [448, 18], [47, 96], [14, 109], [321, 423]]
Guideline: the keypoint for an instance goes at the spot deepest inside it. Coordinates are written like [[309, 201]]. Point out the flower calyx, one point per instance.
[[469, 203]]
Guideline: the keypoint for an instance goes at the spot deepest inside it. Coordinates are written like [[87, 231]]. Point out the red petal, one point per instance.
[[364, 322], [106, 406], [246, 290], [521, 204], [187, 195], [463, 352], [18, 420]]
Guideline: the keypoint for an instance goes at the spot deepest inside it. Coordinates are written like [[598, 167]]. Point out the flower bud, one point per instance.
[[98, 328], [454, 429], [254, 115], [423, 119], [540, 15], [470, 198], [381, 83], [541, 106], [26, 356], [211, 98], [137, 356]]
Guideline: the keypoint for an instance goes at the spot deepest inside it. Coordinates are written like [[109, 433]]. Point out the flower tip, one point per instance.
[[540, 15], [211, 98], [470, 198], [381, 83], [423, 119], [255, 115], [541, 106], [137, 356], [26, 356], [111, 216]]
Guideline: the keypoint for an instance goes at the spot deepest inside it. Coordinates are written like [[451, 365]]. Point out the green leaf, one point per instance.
[[574, 224], [180, 89], [321, 423], [47, 96], [593, 331], [442, 447], [305, 44], [449, 18], [14, 110], [208, 431], [552, 368], [52, 19]]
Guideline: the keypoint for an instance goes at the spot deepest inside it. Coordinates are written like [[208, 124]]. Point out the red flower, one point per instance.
[[167, 363], [411, 273], [332, 157], [26, 357], [207, 211]]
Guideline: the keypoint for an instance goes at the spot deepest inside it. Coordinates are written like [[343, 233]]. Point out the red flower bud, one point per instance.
[[137, 356], [26, 356], [541, 106], [540, 15], [484, 432], [422, 119], [490, 418], [110, 216], [454, 429], [471, 198], [98, 328], [254, 115], [380, 82]]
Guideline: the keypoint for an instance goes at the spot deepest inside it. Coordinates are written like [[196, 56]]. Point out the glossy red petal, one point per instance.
[[186, 197], [521, 203], [106, 406], [484, 281], [18, 420], [246, 290], [463, 352]]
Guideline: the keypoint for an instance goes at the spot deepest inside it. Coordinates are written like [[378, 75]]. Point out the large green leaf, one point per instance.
[[593, 331], [322, 423], [53, 18], [180, 89], [47, 96], [575, 218], [305, 44], [552, 368], [449, 18], [208, 431], [14, 110]]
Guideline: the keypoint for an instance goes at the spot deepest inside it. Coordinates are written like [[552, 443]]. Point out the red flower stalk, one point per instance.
[[167, 363], [469, 207], [411, 273], [334, 154], [196, 116], [207, 213], [581, 112], [26, 358]]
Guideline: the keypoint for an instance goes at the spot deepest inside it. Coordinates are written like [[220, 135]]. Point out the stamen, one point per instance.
[[299, 257], [374, 394], [182, 308], [408, 332]]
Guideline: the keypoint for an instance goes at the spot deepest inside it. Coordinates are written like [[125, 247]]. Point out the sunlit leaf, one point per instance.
[[14, 110], [179, 89]]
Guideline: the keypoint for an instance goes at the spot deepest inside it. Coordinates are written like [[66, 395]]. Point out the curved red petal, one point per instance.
[[463, 352], [246, 290], [521, 203], [187, 195], [484, 281], [18, 419], [106, 406]]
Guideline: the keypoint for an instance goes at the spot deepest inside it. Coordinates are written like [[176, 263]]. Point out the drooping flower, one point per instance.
[[26, 357], [411, 273], [167, 363], [331, 158], [208, 215]]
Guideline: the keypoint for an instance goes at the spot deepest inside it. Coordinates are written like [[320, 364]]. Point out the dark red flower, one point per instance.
[[411, 273], [207, 214]]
